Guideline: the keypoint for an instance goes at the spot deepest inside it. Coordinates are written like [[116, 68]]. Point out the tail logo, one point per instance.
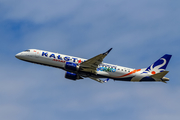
[[155, 68]]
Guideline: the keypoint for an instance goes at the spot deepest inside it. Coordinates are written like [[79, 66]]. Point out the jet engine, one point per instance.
[[72, 76], [69, 66]]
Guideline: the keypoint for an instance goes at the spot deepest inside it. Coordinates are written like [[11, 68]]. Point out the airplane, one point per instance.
[[78, 68]]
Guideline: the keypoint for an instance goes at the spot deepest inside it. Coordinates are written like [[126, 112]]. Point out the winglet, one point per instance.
[[107, 51]]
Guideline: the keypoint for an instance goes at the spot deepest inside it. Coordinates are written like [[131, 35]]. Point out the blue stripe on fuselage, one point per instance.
[[147, 79]]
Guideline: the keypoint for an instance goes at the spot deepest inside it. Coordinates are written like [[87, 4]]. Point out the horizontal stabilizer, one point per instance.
[[160, 76]]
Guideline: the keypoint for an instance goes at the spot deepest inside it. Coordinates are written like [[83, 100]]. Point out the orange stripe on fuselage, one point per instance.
[[134, 71]]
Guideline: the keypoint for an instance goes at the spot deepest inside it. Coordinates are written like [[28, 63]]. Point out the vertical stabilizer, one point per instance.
[[159, 66]]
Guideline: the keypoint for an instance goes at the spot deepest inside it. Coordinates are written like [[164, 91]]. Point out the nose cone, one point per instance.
[[18, 55]]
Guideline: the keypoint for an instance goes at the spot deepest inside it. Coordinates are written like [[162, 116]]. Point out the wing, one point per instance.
[[97, 79], [91, 64]]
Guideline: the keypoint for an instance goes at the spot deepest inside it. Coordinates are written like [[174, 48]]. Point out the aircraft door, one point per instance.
[[37, 53]]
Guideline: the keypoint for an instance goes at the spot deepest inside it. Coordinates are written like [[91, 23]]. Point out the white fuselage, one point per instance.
[[104, 70]]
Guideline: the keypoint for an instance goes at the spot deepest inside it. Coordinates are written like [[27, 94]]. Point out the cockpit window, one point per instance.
[[26, 51]]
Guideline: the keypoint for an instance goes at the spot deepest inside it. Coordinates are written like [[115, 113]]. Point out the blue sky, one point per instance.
[[140, 32]]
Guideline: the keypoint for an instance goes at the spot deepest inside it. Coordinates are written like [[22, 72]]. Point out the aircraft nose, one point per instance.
[[18, 55]]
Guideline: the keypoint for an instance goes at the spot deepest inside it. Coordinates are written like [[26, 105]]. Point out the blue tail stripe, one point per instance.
[[163, 60]]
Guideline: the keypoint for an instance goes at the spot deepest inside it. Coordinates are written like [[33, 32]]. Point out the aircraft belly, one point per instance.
[[147, 79], [102, 73], [137, 78], [123, 79]]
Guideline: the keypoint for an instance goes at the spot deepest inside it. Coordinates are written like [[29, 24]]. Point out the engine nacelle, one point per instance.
[[69, 66], [71, 76]]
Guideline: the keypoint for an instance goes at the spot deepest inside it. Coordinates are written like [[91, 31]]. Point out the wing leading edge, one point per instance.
[[91, 65]]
